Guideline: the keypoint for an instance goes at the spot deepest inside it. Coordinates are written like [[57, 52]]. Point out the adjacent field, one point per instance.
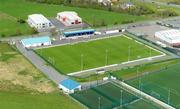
[[12, 10], [107, 96], [22, 86], [163, 84], [69, 58], [20, 100]]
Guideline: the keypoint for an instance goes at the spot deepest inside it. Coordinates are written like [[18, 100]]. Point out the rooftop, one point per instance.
[[30, 41], [79, 31], [70, 14], [39, 18], [172, 35], [69, 84]]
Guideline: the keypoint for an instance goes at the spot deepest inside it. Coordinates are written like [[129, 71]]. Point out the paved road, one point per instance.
[[161, 3], [49, 71]]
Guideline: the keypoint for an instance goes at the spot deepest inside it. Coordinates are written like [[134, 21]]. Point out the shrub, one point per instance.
[[21, 21]]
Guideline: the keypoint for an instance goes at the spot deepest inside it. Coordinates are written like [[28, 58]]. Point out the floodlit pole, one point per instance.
[[99, 102], [129, 53], [106, 58], [82, 61], [169, 95], [150, 52], [121, 97]]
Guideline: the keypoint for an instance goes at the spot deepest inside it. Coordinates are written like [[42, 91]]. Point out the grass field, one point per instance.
[[19, 100], [22, 86], [107, 96], [130, 72], [69, 58], [11, 10], [161, 84]]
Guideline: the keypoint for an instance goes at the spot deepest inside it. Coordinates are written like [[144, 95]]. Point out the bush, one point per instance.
[[127, 21], [141, 10], [21, 21], [34, 31], [115, 23], [3, 35], [166, 13]]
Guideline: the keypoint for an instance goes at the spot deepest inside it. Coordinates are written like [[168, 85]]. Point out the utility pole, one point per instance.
[[169, 95], [121, 98], [82, 56], [106, 58], [41, 51], [99, 102], [150, 52], [129, 53]]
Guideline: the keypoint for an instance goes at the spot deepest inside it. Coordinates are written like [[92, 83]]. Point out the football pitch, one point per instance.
[[87, 55], [108, 96], [163, 84]]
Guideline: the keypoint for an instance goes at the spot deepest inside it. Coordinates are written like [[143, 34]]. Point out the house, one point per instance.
[[35, 42], [107, 2], [126, 5], [69, 18], [38, 21], [69, 86]]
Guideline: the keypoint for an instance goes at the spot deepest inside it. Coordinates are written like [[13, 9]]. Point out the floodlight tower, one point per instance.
[[106, 58], [169, 95], [129, 52], [82, 62], [99, 102], [121, 97]]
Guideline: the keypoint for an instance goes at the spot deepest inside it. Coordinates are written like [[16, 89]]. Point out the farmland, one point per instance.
[[12, 10], [22, 86], [86, 55]]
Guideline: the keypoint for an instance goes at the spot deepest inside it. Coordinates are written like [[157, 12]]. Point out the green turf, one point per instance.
[[11, 100], [139, 104], [161, 84], [105, 96], [11, 10], [68, 58]]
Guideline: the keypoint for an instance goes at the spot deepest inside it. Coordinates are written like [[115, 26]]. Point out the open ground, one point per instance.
[[22, 86]]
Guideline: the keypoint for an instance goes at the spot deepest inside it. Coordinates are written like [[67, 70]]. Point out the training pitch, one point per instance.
[[108, 96], [98, 53], [162, 84]]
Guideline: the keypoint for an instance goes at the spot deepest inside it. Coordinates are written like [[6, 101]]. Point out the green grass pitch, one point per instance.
[[86, 55], [162, 84]]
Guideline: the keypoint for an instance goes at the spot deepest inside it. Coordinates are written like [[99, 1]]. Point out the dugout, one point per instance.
[[79, 33]]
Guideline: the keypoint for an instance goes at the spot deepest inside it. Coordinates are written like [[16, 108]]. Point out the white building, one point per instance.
[[37, 41], [170, 37], [69, 86], [38, 21], [69, 18]]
